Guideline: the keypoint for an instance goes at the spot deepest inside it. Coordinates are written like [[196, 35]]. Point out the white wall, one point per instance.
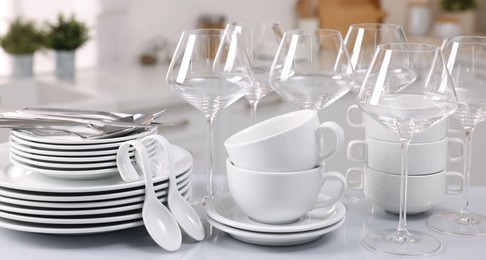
[[169, 18]]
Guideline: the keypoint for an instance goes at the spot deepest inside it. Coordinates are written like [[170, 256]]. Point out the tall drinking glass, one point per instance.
[[466, 60], [361, 41], [261, 40], [407, 89], [311, 69], [210, 70]]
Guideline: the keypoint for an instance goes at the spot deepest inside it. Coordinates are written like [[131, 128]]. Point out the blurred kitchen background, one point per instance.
[[123, 64]]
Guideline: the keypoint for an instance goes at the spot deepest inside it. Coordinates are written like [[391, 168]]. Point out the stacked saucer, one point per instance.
[[69, 157], [33, 202], [225, 215]]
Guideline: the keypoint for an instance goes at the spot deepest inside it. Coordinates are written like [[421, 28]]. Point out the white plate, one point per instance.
[[41, 156], [275, 239], [61, 163], [68, 229], [76, 197], [224, 210], [77, 140], [78, 212], [14, 177], [61, 153], [183, 187], [71, 147], [88, 174]]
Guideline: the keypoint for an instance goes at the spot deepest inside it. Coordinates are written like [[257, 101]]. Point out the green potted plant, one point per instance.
[[65, 37], [21, 41], [463, 11]]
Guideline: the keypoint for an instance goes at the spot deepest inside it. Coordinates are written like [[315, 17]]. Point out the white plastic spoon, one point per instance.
[[158, 220], [184, 213]]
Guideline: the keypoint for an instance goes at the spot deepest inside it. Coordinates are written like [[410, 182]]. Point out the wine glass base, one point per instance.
[[458, 224], [392, 242]]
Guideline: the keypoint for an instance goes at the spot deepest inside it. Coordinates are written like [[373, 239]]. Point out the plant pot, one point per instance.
[[22, 65], [467, 20], [65, 61]]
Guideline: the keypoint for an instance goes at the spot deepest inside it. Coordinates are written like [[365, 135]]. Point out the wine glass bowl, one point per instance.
[[361, 41], [311, 69], [407, 88], [466, 60], [210, 70], [261, 40]]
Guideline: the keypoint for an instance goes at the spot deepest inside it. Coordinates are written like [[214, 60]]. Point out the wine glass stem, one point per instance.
[[402, 220], [467, 169], [253, 109], [209, 184]]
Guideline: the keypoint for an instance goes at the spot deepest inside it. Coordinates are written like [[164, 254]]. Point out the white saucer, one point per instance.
[[224, 210], [17, 178], [275, 239]]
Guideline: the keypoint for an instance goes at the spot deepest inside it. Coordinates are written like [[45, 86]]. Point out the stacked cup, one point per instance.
[[428, 156], [275, 168]]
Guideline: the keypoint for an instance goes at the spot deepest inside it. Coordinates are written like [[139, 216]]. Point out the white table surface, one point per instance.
[[344, 243]]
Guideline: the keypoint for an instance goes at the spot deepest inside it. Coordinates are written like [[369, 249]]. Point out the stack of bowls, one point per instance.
[[428, 157]]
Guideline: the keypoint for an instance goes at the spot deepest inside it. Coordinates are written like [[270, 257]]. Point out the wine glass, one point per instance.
[[361, 41], [407, 89], [261, 40], [210, 70], [311, 69], [466, 60]]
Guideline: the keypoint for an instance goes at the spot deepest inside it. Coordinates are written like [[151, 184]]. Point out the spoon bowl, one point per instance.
[[158, 220], [184, 213]]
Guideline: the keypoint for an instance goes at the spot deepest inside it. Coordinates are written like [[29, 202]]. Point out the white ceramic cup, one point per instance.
[[378, 131], [289, 142], [280, 197], [424, 191], [423, 158]]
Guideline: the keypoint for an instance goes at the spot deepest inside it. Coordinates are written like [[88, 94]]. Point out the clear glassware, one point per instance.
[[210, 70], [407, 89], [361, 41], [311, 69], [261, 40], [466, 60]]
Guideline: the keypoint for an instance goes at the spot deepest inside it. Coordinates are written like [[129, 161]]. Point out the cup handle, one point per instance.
[[348, 117], [458, 176], [338, 131], [333, 200], [459, 143], [353, 185], [364, 151]]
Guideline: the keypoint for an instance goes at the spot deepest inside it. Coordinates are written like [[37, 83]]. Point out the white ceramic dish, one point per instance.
[[275, 239], [76, 140], [17, 178], [66, 147], [67, 174], [224, 210], [76, 197], [72, 229], [91, 213], [61, 153], [183, 187], [68, 229]]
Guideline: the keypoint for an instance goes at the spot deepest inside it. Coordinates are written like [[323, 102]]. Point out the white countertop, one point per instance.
[[344, 243]]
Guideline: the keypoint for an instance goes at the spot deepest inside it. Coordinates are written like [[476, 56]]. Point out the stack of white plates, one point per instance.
[[224, 214], [70, 157], [33, 202]]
